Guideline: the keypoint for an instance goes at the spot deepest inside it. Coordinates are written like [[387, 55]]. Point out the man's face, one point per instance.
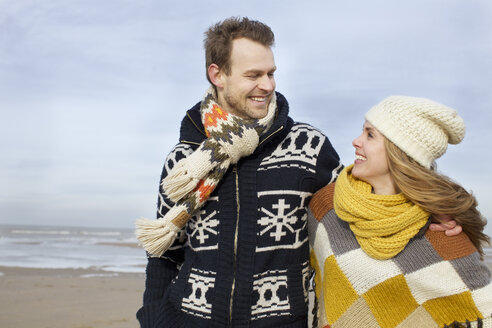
[[248, 89]]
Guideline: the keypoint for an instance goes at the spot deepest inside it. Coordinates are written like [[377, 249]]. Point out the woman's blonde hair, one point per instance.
[[436, 194]]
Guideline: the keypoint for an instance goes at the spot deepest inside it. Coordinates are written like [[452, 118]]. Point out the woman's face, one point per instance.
[[370, 163]]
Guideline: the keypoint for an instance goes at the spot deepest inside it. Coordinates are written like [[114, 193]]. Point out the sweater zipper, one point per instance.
[[271, 134], [262, 141], [190, 142], [235, 170]]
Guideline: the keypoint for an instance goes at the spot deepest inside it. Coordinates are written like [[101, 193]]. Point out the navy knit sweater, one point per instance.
[[243, 261]]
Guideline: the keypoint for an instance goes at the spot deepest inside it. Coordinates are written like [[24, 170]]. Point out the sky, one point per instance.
[[92, 92]]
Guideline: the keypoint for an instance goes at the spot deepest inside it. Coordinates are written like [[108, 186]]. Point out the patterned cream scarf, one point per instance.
[[382, 224], [193, 179]]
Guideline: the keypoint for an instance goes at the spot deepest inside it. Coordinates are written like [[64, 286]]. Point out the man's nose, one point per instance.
[[267, 83]]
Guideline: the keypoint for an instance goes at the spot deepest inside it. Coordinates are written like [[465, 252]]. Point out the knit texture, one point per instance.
[[243, 259], [191, 182], [420, 127], [436, 281], [382, 224], [229, 138]]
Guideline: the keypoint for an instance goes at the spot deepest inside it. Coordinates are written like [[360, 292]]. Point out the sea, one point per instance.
[[106, 249]]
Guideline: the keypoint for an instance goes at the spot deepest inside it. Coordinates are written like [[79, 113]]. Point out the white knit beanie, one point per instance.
[[420, 127]]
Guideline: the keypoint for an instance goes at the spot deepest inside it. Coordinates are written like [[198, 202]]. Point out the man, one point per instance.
[[242, 260]]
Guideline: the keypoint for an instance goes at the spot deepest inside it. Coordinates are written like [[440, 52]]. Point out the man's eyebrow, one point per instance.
[[250, 71]]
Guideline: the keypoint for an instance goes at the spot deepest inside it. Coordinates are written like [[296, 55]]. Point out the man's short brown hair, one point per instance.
[[219, 37]]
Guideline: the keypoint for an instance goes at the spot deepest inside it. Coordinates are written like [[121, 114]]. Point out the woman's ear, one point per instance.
[[215, 75]]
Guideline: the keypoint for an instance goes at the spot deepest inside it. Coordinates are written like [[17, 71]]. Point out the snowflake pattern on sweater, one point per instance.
[[243, 260]]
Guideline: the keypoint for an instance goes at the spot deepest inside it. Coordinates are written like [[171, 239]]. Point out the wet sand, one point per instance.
[[69, 298]]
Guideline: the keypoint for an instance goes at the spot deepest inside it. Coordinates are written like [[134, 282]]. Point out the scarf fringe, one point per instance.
[[178, 183], [184, 177], [156, 236]]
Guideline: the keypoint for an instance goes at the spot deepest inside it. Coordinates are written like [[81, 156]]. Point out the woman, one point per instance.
[[376, 263]]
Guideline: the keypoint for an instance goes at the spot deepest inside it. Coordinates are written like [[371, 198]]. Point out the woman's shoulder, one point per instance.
[[322, 201], [450, 247]]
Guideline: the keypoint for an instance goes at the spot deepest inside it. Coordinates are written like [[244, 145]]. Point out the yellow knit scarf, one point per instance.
[[382, 224]]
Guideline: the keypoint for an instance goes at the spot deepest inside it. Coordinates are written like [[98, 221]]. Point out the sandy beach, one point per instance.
[[68, 298]]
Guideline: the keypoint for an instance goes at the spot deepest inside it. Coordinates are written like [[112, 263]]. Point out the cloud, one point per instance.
[[93, 92]]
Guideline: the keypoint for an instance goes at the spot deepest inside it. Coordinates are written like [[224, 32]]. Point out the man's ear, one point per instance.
[[215, 75]]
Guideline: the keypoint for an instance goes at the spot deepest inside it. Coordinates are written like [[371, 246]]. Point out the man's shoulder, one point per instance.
[[192, 130], [297, 126], [192, 114]]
